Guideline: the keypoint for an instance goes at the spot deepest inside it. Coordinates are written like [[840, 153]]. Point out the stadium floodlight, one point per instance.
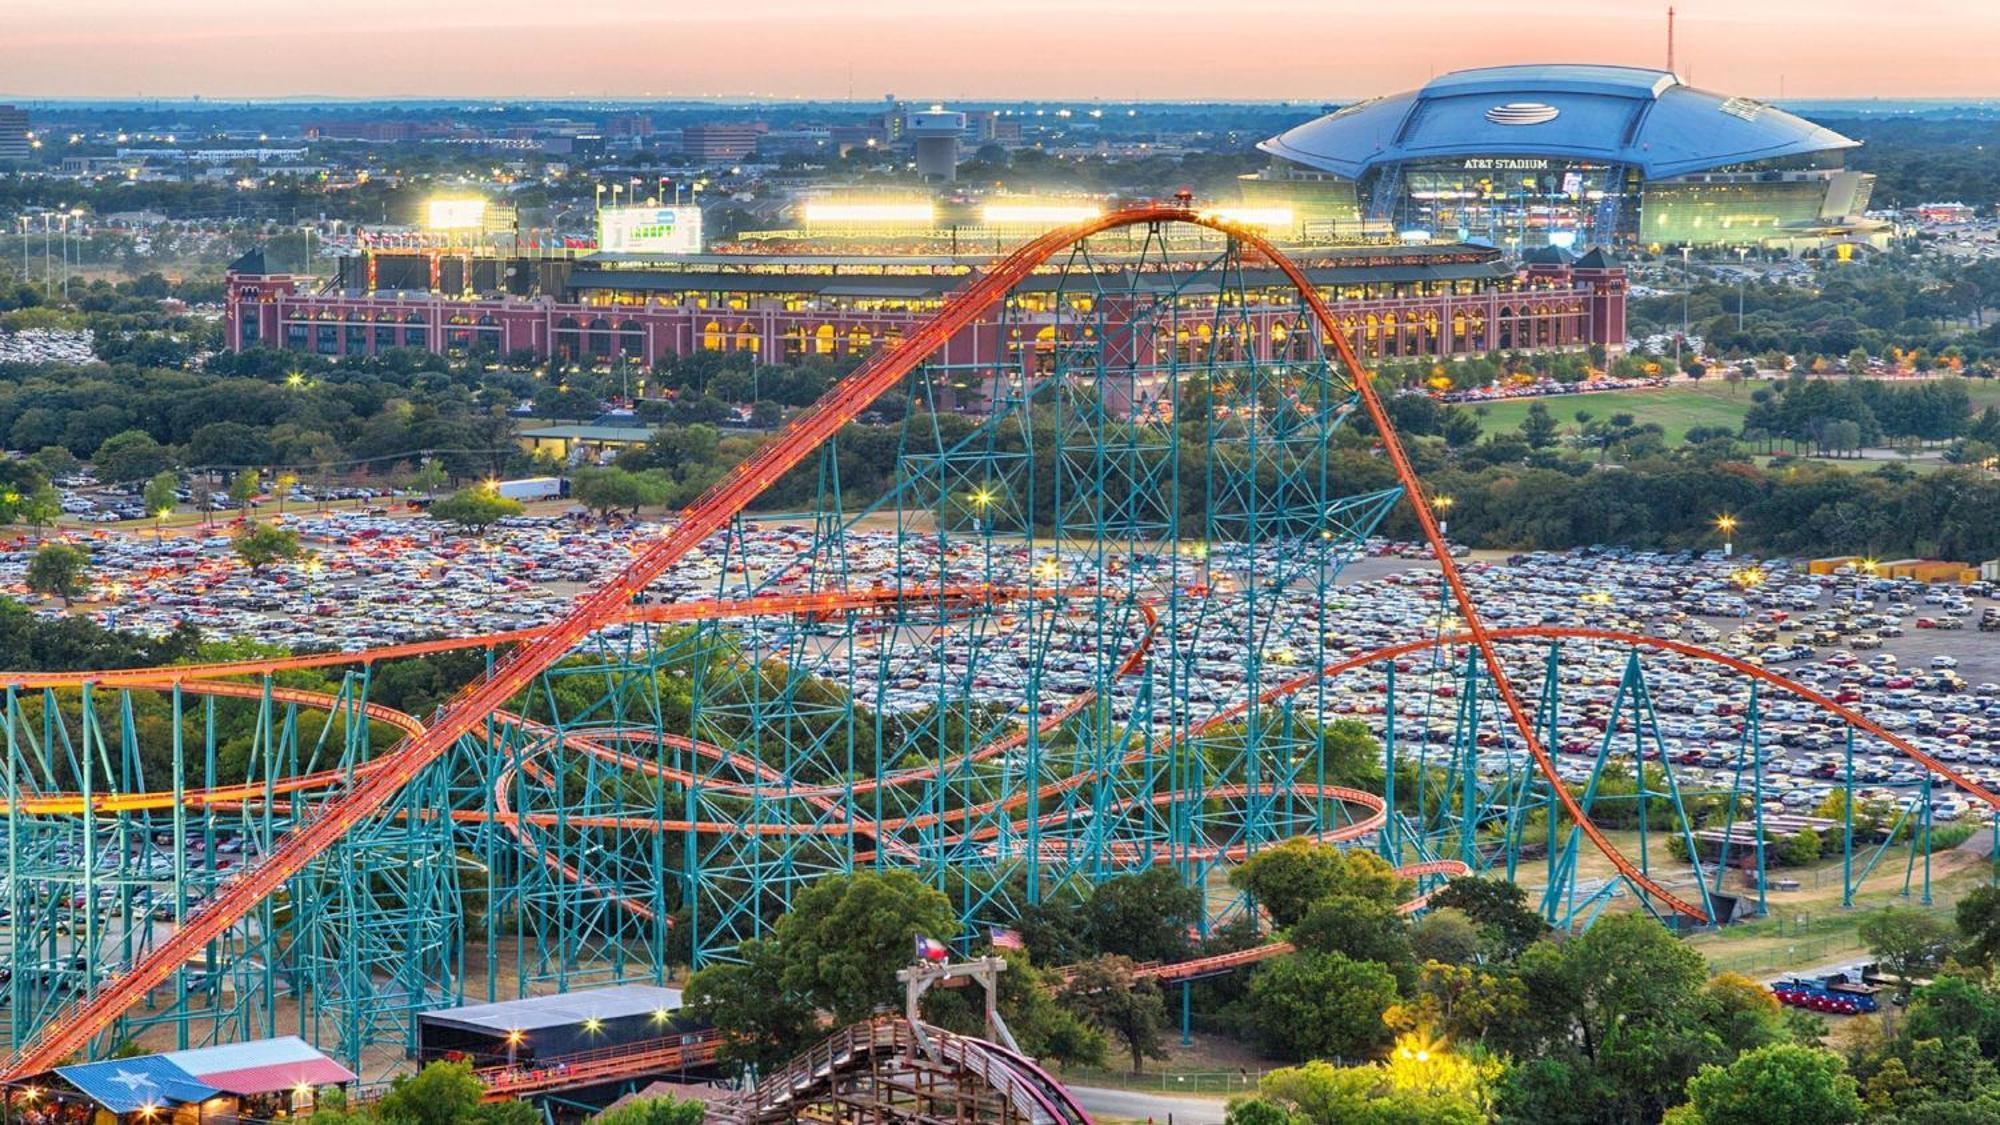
[[1251, 216], [870, 213], [1033, 214], [454, 214]]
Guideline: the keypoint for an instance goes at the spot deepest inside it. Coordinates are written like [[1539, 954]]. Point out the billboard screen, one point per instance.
[[455, 214], [649, 230]]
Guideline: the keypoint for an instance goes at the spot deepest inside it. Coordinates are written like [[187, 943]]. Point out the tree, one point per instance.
[[1459, 1003], [1289, 878], [158, 495], [227, 445], [654, 1111], [1910, 943], [475, 509], [282, 488], [261, 544], [244, 487], [428, 477], [1308, 1005], [1445, 934], [1978, 918], [442, 1093], [131, 455], [1782, 1084], [39, 508], [1355, 927], [1066, 1040], [1615, 1016], [55, 462], [761, 1024], [1107, 993], [1442, 1089], [60, 570], [846, 935], [1498, 907], [610, 490], [1144, 916], [1539, 427]]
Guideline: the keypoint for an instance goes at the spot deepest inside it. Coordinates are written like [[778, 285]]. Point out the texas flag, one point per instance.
[[928, 950]]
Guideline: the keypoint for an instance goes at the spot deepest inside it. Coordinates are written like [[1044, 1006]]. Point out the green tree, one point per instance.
[[1909, 942], [1358, 928], [611, 490], [442, 1093], [1539, 427], [55, 461], [1782, 1084], [1253, 1110], [1446, 934], [158, 495], [39, 508], [1458, 1002], [761, 1023], [428, 477], [260, 544], [1498, 907], [1317, 1004], [244, 487], [846, 935], [1108, 994], [1144, 916], [1289, 878], [1614, 1019], [60, 570], [1978, 918], [131, 455], [475, 509], [654, 1111]]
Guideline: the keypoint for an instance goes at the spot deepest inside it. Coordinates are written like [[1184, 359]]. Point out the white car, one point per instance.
[[1943, 661]]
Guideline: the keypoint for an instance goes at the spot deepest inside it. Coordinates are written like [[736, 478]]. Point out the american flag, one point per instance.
[[1004, 938]]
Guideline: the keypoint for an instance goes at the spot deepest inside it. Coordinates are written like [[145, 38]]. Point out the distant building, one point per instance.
[[1578, 155], [720, 142], [628, 125], [14, 145], [1943, 212], [934, 134]]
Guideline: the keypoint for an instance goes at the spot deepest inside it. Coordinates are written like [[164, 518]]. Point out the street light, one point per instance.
[[160, 529], [1685, 250], [1742, 274], [1726, 524], [1442, 506]]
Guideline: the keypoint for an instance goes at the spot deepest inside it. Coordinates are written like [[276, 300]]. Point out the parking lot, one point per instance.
[[375, 580]]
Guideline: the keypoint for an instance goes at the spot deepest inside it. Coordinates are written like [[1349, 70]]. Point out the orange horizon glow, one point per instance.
[[1118, 50]]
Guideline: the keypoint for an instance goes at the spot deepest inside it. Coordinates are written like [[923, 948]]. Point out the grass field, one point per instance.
[[1677, 408]]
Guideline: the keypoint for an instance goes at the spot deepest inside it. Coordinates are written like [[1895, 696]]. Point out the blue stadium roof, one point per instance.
[[1613, 114]]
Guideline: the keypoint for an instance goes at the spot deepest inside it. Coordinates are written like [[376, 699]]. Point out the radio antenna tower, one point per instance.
[[1670, 39]]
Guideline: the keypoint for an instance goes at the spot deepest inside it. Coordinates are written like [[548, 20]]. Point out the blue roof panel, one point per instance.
[[130, 1085], [1616, 115]]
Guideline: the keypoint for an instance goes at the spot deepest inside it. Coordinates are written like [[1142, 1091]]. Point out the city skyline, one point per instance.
[[1114, 50]]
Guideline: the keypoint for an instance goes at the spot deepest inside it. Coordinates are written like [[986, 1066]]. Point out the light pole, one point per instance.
[[1442, 506], [1726, 524], [1742, 275], [160, 530], [1685, 250]]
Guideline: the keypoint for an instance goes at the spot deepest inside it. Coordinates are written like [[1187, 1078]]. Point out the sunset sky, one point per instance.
[[942, 49]]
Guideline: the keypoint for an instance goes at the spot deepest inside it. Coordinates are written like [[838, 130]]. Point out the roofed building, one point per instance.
[[1573, 155]]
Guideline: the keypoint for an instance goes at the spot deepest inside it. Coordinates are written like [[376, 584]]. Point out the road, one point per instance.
[[1140, 1105]]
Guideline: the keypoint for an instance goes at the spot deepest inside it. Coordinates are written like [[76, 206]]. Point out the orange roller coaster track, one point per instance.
[[370, 789]]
